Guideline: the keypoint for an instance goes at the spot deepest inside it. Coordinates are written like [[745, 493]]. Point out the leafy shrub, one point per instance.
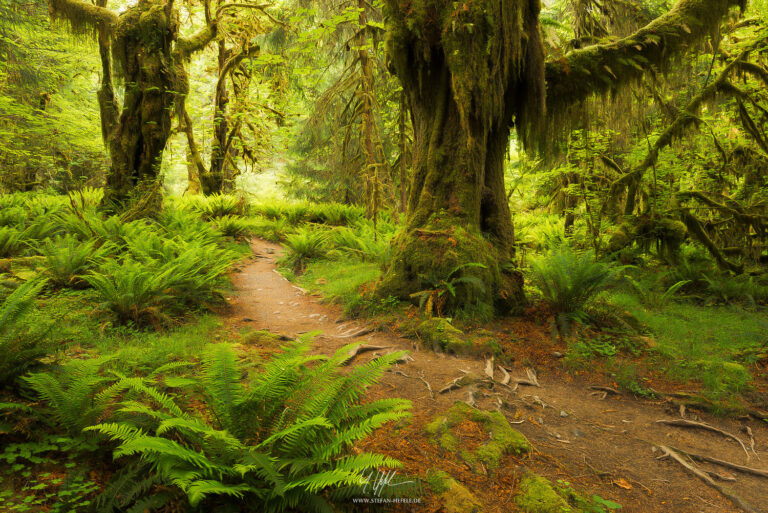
[[146, 292], [303, 246], [361, 242], [569, 280], [133, 291], [334, 214], [21, 344], [74, 396], [67, 260], [284, 441], [727, 289]]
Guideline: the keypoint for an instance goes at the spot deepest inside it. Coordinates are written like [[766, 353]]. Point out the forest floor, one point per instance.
[[604, 446]]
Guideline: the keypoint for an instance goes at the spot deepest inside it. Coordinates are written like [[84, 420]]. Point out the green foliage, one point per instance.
[[220, 205], [443, 289], [11, 242], [41, 490], [22, 341], [74, 394], [67, 260], [304, 245], [271, 230], [284, 440], [49, 121], [234, 226], [653, 297], [569, 280]]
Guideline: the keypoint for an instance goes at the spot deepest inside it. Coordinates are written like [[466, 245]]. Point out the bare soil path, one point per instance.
[[603, 446]]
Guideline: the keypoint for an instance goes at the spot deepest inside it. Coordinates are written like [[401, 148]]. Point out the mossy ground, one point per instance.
[[537, 495], [456, 497], [440, 335], [503, 439]]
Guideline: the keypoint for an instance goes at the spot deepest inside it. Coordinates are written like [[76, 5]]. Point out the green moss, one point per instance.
[[439, 481], [440, 335], [432, 249], [503, 439], [537, 495], [458, 499], [448, 442], [263, 338]]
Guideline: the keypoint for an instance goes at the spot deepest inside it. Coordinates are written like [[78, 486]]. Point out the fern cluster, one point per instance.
[[569, 280], [21, 342], [282, 442]]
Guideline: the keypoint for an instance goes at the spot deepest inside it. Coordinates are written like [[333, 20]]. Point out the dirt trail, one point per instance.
[[601, 446]]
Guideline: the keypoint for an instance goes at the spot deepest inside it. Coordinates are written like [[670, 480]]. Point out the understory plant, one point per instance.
[[282, 441], [569, 280], [443, 291], [22, 343], [302, 246]]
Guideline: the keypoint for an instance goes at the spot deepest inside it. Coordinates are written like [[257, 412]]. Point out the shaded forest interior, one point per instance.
[[383, 255]]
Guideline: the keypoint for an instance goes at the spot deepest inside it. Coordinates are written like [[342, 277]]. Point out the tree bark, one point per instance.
[[143, 49], [467, 78]]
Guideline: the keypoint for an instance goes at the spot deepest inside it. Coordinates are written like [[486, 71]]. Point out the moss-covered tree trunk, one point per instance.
[[143, 43], [470, 71]]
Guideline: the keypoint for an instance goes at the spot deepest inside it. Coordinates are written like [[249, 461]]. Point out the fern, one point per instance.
[[304, 245], [21, 344], [71, 394], [67, 260], [283, 441], [569, 280]]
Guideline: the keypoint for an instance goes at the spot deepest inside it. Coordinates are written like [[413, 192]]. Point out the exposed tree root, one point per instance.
[[360, 349], [708, 427], [602, 391], [421, 378], [723, 463], [738, 501]]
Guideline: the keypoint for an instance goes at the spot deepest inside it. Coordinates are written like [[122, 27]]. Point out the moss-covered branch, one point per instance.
[[686, 118], [186, 46], [604, 67], [83, 16]]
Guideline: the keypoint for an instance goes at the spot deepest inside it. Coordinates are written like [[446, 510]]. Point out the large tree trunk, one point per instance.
[[142, 49], [467, 82], [214, 182]]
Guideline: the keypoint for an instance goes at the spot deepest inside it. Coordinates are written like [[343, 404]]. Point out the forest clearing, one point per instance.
[[459, 257]]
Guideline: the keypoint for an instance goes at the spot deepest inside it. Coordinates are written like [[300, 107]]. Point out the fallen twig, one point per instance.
[[708, 427], [706, 478]]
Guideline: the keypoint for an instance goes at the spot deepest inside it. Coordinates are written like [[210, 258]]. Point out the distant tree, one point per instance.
[[143, 47]]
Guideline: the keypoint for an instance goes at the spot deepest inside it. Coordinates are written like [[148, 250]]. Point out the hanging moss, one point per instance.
[[604, 67], [83, 17]]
